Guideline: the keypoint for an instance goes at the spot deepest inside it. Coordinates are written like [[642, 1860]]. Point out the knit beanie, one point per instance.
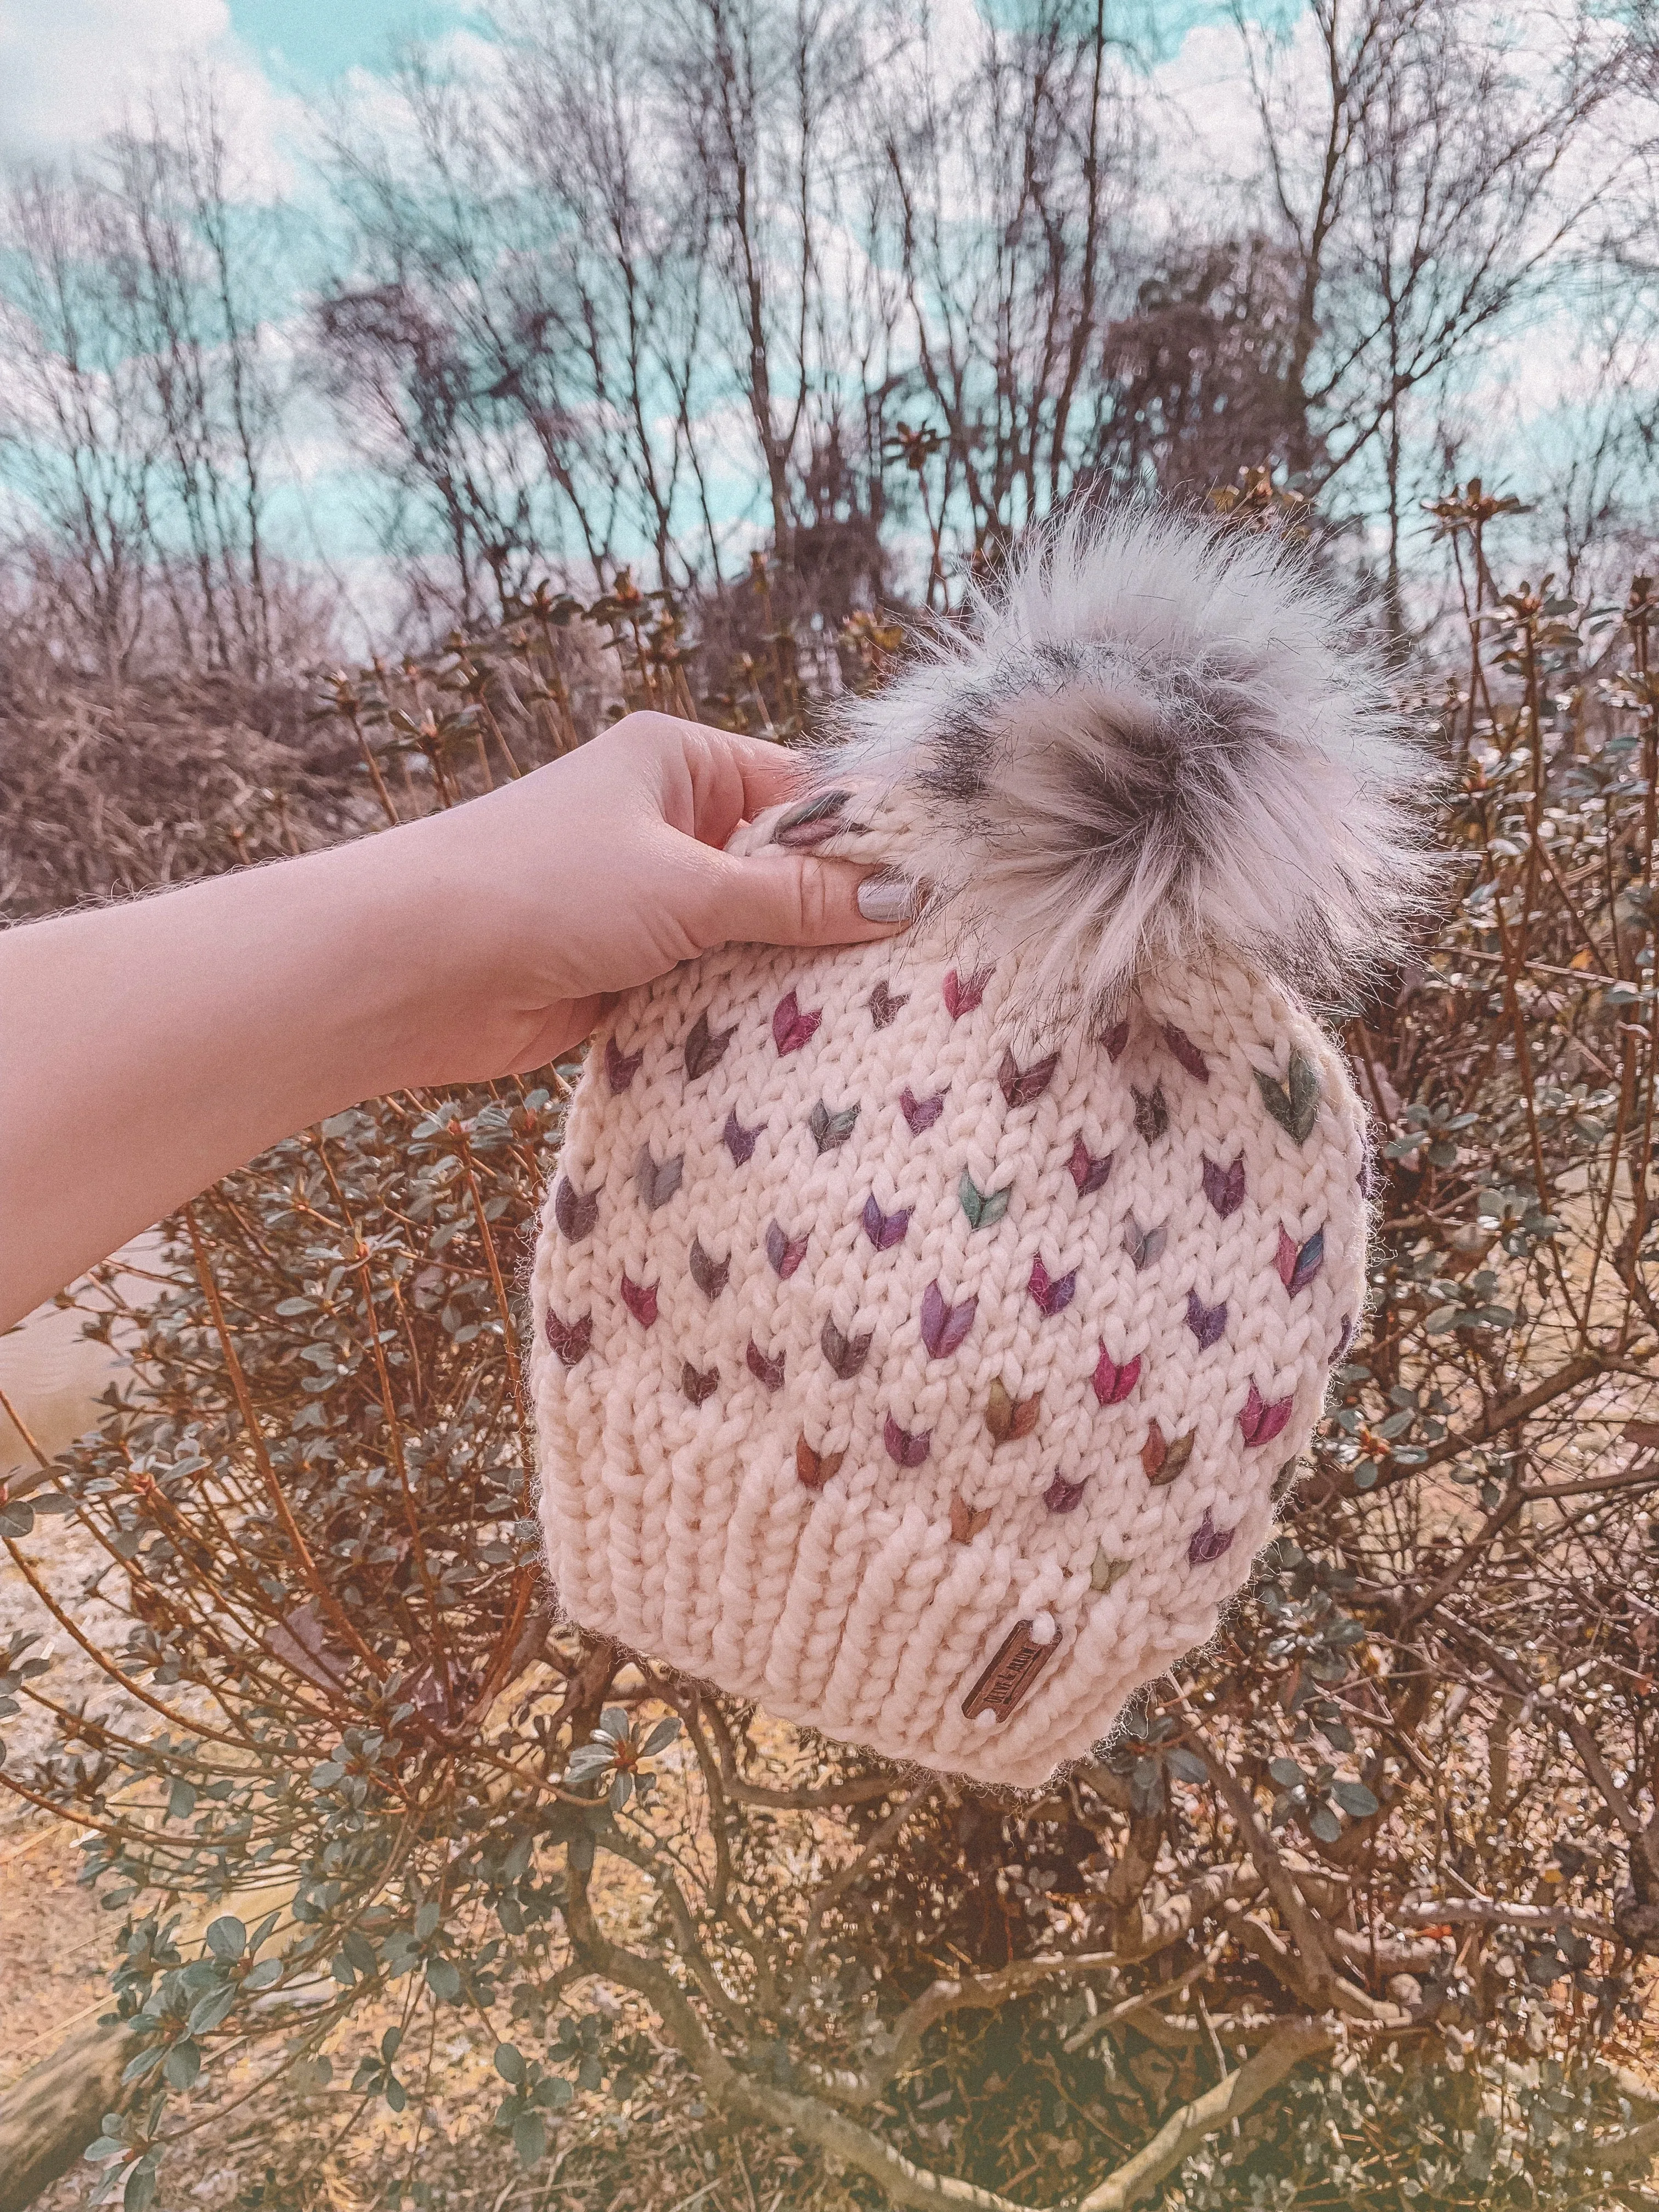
[[924, 1330]]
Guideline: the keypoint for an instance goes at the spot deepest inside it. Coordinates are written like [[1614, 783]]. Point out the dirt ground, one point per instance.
[[54, 1970]]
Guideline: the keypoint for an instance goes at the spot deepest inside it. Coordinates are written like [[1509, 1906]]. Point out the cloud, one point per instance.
[[70, 70]]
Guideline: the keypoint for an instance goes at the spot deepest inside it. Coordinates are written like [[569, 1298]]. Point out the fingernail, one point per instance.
[[886, 898]]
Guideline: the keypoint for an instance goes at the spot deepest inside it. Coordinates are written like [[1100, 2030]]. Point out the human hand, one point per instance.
[[463, 946], [601, 872]]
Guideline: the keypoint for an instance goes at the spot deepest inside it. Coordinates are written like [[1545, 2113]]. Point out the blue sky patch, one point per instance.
[[321, 40]]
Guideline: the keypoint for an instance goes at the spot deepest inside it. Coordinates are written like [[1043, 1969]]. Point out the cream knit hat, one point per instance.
[[922, 1329]]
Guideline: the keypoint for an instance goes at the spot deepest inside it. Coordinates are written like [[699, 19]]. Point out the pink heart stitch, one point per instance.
[[571, 1339], [1261, 1422], [961, 997], [1089, 1169], [1186, 1052], [1113, 1380], [791, 1028]]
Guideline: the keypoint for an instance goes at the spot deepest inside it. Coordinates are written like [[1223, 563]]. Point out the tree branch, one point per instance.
[[1187, 2127]]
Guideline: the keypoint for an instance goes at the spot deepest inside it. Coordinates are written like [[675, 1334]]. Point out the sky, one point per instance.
[[70, 70], [320, 40]]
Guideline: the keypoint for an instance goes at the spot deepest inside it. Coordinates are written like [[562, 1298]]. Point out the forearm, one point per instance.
[[146, 1049], [150, 1048]]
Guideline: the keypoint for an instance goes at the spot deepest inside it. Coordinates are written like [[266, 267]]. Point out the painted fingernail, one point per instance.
[[886, 898]]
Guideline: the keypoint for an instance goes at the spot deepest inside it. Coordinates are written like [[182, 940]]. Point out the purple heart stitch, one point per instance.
[[943, 1325]]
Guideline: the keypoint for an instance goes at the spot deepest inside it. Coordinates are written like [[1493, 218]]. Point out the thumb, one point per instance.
[[795, 898]]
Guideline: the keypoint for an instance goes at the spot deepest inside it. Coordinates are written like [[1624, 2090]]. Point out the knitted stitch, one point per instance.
[[918, 1348]]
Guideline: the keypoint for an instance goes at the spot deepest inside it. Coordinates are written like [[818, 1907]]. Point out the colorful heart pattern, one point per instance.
[[1088, 1170], [1114, 1379], [1224, 1186], [791, 1028], [904, 1448], [1299, 1263], [920, 1114], [705, 1048], [575, 1212], [846, 1354], [884, 1007], [884, 1230], [944, 1321], [945, 1326], [710, 1275]]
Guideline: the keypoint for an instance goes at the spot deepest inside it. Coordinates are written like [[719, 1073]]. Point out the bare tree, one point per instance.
[[586, 107], [1428, 167], [1013, 173], [765, 91], [144, 398], [73, 429], [189, 301]]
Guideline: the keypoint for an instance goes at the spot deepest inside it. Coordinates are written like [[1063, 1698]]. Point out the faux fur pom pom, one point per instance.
[[1153, 739]]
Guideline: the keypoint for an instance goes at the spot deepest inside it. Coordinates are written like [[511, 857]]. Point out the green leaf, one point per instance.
[[16, 1518], [662, 1735], [1354, 1797], [104, 2146], [1187, 1764], [1325, 1824], [181, 1800], [208, 2011], [588, 1759], [426, 1920], [140, 2192], [227, 1937], [360, 1952], [184, 2063], [529, 2138], [1285, 1772], [391, 2042], [443, 1980], [509, 2063]]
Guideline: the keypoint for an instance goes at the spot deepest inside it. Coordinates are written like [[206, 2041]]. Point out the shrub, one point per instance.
[[1357, 1909]]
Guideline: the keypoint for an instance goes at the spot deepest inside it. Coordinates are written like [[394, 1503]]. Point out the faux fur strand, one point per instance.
[[1155, 738]]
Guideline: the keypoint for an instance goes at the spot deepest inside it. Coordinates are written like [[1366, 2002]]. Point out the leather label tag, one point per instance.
[[1015, 1666]]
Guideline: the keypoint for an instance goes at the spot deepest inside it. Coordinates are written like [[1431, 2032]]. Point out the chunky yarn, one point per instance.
[[921, 1339]]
